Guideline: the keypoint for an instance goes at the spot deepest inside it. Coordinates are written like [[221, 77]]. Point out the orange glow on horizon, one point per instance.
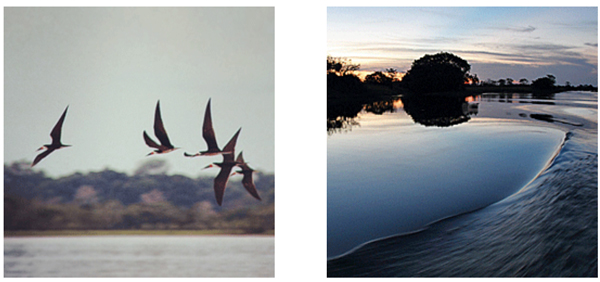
[[398, 104], [363, 73]]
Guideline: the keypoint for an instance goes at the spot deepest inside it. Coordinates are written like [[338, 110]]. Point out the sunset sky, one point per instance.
[[498, 42]]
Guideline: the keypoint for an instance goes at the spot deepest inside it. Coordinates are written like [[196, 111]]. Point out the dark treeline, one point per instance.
[[149, 199], [431, 80], [439, 73], [545, 84]]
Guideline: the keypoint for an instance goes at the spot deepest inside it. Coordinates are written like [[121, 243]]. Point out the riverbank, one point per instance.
[[62, 233], [374, 92]]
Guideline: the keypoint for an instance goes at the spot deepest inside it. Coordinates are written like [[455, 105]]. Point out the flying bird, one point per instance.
[[160, 132], [247, 173], [226, 166], [208, 133], [56, 144]]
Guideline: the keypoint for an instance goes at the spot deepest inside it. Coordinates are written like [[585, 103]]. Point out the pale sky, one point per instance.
[[498, 42], [111, 65]]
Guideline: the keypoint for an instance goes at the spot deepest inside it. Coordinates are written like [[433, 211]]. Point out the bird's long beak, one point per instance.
[[41, 148], [208, 166]]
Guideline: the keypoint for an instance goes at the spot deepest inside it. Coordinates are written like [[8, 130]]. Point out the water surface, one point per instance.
[[391, 176], [521, 170], [139, 256]]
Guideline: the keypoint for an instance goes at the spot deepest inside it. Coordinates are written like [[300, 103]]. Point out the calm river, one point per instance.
[[139, 256], [493, 185]]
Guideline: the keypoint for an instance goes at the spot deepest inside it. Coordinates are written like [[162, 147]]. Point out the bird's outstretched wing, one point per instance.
[[41, 156], [230, 147], [221, 182], [149, 141], [159, 128], [247, 181], [208, 133], [249, 184], [56, 131]]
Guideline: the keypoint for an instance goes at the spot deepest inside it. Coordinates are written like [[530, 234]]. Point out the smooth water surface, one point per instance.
[[391, 175], [521, 168], [139, 256], [383, 183]]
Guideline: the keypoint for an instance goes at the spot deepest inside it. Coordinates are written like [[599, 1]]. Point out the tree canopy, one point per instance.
[[341, 66], [149, 199], [437, 73], [544, 83], [379, 78], [341, 81]]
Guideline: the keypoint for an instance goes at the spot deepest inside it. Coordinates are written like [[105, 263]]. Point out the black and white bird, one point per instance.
[[208, 133], [56, 144], [160, 132], [228, 163], [247, 173]]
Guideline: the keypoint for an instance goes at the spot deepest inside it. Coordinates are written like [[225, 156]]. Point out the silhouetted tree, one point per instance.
[[523, 81], [544, 83], [341, 66], [341, 82], [345, 87], [392, 73], [379, 78], [437, 73], [473, 79]]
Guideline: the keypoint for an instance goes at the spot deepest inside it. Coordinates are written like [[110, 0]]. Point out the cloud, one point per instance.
[[515, 29], [591, 44], [526, 29], [542, 47]]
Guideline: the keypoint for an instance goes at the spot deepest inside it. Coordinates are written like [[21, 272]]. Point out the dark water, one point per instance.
[[140, 256], [528, 207]]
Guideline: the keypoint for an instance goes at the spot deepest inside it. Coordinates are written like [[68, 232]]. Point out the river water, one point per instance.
[[494, 185], [139, 256]]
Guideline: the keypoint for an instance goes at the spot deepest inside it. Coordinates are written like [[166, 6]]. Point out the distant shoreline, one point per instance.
[[378, 92], [64, 233]]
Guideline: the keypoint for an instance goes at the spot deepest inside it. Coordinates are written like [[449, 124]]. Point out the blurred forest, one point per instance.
[[147, 200]]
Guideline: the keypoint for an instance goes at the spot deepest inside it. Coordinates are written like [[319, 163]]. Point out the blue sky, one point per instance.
[[498, 42], [111, 66]]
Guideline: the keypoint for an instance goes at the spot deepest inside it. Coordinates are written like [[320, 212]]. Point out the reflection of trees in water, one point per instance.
[[340, 124], [438, 110], [380, 107], [551, 119], [341, 114], [530, 98], [427, 110]]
